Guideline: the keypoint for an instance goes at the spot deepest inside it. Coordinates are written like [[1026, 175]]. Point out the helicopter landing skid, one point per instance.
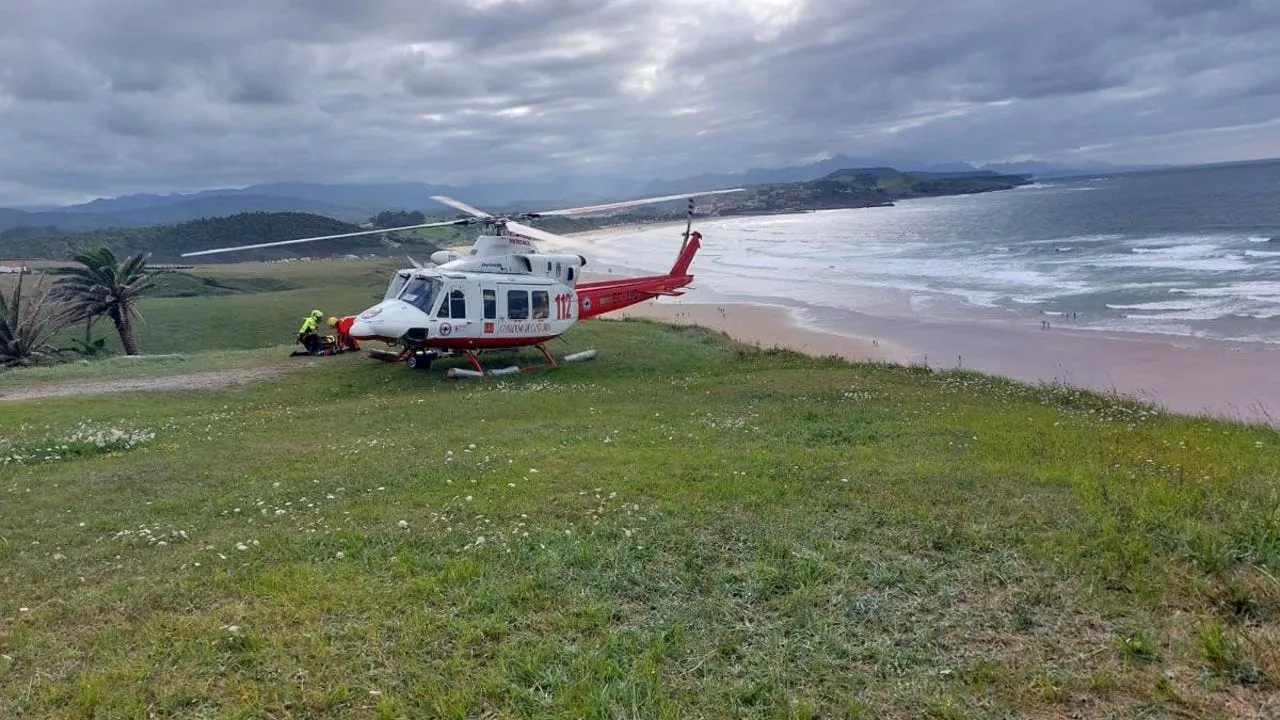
[[475, 361], [481, 372]]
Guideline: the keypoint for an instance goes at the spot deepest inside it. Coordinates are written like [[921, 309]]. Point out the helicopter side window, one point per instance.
[[517, 304], [541, 304], [490, 297], [420, 293], [454, 306]]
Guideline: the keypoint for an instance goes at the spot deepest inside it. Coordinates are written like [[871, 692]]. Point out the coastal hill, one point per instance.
[[682, 527], [168, 242], [849, 188], [859, 187], [354, 202]]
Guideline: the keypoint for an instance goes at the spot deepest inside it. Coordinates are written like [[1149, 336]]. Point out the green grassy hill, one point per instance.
[[861, 187], [682, 527], [166, 243]]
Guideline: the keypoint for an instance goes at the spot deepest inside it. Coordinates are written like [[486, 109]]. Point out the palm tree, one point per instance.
[[102, 286], [27, 328]]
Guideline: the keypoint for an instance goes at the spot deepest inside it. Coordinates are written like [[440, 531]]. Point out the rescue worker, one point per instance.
[[308, 334], [343, 330]]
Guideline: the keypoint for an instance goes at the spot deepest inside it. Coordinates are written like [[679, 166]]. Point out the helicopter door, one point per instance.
[[453, 312]]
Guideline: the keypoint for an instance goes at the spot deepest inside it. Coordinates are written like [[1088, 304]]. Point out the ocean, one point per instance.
[[1192, 251]]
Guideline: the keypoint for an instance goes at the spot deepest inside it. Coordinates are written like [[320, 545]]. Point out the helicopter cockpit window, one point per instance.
[[420, 293], [454, 306], [396, 285], [541, 304], [517, 304]]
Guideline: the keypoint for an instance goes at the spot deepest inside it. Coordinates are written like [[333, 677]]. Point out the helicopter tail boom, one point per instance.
[[596, 298]]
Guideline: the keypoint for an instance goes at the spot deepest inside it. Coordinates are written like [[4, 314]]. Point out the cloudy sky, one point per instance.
[[105, 97]]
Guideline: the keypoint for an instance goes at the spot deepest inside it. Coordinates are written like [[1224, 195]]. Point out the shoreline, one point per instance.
[[767, 326], [1189, 376], [1185, 374]]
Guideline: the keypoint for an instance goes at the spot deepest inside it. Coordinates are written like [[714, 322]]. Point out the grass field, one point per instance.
[[681, 528], [243, 305]]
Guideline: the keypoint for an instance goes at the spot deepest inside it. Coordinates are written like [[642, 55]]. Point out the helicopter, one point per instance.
[[504, 294]]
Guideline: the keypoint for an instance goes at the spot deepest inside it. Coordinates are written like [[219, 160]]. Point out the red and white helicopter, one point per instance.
[[504, 294]]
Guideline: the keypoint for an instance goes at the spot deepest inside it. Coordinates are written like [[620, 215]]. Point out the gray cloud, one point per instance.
[[103, 98]]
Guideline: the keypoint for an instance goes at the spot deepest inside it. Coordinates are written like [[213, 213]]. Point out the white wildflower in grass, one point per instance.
[[403, 524], [84, 439]]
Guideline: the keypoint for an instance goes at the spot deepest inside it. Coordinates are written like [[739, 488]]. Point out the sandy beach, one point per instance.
[[1233, 380], [1187, 375], [768, 326]]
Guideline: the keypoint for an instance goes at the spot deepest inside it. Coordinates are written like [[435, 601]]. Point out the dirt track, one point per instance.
[[191, 381]]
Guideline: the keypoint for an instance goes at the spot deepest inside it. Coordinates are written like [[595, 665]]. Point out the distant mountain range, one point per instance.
[[357, 202], [846, 188]]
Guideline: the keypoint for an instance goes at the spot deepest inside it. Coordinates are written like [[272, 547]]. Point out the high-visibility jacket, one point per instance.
[[308, 325]]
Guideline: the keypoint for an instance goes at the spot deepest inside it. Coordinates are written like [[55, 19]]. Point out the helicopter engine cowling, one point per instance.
[[573, 261], [440, 257]]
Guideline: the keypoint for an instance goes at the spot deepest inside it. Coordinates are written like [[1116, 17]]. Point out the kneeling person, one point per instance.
[[343, 329]]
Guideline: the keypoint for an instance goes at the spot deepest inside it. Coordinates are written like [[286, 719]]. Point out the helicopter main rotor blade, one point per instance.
[[532, 232], [631, 203], [459, 205], [328, 237]]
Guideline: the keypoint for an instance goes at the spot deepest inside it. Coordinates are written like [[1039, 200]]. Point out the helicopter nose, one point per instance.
[[361, 330]]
